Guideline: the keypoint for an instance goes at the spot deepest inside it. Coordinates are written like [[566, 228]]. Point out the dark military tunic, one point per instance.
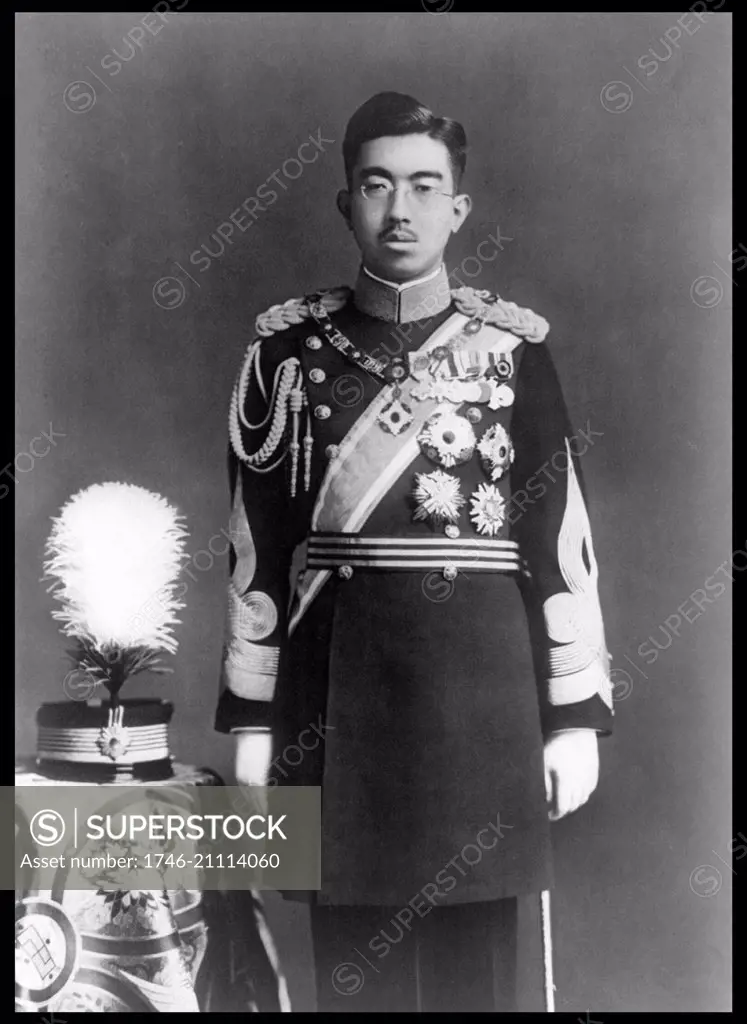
[[434, 667]]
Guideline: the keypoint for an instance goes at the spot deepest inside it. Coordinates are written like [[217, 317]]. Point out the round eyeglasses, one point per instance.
[[382, 192]]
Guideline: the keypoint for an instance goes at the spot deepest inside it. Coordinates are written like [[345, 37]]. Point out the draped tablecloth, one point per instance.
[[144, 950]]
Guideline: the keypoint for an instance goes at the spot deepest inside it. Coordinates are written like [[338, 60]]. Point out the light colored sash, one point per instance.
[[370, 460]]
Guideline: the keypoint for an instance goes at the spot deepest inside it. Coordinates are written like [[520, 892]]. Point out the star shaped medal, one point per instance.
[[438, 496], [488, 509], [496, 451]]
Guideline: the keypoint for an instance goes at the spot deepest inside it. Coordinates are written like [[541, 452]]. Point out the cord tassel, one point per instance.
[[294, 448], [296, 405], [308, 444]]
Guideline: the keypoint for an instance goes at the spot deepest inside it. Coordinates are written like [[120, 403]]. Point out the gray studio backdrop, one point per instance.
[[599, 168]]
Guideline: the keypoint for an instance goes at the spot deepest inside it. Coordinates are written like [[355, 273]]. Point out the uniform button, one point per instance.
[[472, 327], [313, 343], [474, 415], [332, 451], [322, 412], [345, 572], [450, 572], [316, 376], [452, 531]]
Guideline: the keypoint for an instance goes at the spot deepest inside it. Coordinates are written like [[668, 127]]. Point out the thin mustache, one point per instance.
[[404, 236]]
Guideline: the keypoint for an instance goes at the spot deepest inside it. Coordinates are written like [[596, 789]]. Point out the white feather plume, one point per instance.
[[115, 553]]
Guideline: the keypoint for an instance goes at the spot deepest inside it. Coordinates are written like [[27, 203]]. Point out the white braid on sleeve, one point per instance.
[[579, 667]]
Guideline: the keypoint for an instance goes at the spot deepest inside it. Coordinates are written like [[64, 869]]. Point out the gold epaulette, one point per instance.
[[281, 316], [505, 315]]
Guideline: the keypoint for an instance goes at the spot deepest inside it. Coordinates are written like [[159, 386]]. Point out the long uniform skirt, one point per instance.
[[432, 760]]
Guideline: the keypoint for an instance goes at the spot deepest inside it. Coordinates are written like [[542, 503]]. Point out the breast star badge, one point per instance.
[[488, 510], [438, 496], [447, 438], [496, 451]]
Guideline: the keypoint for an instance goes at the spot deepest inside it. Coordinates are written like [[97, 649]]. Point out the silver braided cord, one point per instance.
[[287, 385], [288, 377]]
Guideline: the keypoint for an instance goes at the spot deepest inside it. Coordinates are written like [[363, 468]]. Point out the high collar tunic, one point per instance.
[[412, 640]]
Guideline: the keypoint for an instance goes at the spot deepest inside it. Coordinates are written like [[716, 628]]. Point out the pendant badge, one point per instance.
[[496, 451], [503, 368], [396, 416], [395, 371], [501, 395], [447, 438]]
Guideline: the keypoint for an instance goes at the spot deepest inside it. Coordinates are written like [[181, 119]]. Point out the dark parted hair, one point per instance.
[[393, 113]]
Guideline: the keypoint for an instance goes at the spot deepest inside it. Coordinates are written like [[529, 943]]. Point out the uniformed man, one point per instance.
[[413, 584]]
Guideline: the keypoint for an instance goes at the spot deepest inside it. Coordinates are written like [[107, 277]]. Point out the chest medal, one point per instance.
[[447, 438], [438, 497], [396, 416], [496, 451], [488, 510]]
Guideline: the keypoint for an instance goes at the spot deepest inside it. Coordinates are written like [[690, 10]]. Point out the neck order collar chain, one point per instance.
[[376, 367]]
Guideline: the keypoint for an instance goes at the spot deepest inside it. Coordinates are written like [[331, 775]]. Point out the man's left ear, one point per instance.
[[462, 207], [343, 205]]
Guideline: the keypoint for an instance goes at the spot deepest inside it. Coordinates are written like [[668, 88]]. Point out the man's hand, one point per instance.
[[253, 753], [571, 770]]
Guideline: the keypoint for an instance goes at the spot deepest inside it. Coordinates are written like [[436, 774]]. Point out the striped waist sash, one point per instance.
[[410, 554]]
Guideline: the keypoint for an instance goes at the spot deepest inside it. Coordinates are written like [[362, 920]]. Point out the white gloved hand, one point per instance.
[[571, 770], [253, 754]]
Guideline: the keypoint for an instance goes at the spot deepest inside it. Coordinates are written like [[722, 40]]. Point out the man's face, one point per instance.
[[401, 234]]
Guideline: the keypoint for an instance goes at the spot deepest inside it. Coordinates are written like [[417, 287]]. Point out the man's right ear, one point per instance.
[[343, 205]]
